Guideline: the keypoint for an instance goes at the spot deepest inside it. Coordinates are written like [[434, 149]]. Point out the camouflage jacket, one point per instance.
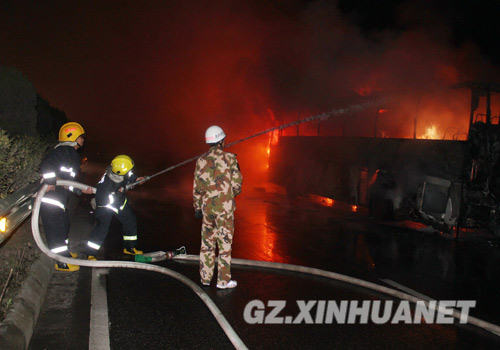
[[217, 180]]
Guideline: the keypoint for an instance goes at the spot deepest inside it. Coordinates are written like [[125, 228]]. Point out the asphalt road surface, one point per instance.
[[147, 310]]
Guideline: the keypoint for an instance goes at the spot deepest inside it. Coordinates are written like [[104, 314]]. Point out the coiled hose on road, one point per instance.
[[226, 327], [231, 334]]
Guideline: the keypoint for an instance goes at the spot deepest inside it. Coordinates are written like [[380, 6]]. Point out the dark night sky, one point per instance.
[[146, 78]]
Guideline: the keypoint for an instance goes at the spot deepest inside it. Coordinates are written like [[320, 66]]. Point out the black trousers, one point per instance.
[[103, 218], [56, 226]]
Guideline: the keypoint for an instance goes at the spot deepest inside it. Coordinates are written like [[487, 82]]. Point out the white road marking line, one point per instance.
[[99, 322]]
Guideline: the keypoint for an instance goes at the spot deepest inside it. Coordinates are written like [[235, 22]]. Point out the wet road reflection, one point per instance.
[[331, 236]]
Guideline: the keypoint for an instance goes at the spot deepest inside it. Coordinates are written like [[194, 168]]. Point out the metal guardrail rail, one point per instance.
[[15, 209]]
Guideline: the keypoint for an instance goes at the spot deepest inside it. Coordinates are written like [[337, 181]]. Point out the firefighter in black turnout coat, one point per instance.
[[111, 201], [63, 162]]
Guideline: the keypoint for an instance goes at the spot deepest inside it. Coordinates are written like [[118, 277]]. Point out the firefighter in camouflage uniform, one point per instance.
[[217, 181]]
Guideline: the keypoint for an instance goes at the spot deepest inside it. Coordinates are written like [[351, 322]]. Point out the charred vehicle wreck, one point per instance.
[[449, 184]]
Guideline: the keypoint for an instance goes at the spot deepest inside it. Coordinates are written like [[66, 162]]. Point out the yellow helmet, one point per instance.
[[122, 164], [70, 132]]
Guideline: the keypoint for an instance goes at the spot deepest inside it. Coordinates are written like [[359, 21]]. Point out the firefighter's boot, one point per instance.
[[66, 267], [132, 251]]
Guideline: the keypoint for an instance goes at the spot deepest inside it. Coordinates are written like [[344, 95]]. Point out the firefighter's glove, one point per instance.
[[198, 214]]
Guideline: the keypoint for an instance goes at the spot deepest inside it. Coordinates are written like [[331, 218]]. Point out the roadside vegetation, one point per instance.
[[20, 157], [28, 131]]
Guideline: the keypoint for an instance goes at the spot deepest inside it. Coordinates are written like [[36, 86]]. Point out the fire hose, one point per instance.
[[226, 327], [231, 334], [493, 328], [323, 116]]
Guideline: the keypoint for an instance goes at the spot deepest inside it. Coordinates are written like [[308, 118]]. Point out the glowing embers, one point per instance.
[[3, 225], [325, 201], [331, 203]]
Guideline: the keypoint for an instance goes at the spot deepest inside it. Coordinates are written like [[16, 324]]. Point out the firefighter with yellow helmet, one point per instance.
[[63, 163], [111, 201]]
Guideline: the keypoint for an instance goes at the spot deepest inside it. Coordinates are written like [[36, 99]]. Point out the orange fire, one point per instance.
[[354, 208], [273, 137], [268, 150], [431, 133]]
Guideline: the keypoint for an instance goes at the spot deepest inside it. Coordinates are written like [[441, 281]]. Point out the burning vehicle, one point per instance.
[[450, 184]]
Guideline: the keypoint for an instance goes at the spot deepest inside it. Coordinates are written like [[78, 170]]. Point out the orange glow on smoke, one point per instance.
[[364, 91], [429, 111]]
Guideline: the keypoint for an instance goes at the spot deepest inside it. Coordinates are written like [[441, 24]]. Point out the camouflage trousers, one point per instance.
[[216, 232]]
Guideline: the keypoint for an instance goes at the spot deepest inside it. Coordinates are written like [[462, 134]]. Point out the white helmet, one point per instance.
[[214, 134]]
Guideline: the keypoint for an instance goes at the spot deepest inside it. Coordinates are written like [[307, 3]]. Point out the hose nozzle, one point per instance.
[[133, 184]]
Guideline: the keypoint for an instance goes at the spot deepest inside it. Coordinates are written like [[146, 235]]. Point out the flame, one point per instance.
[[273, 136], [3, 225], [354, 208], [268, 150], [431, 133]]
